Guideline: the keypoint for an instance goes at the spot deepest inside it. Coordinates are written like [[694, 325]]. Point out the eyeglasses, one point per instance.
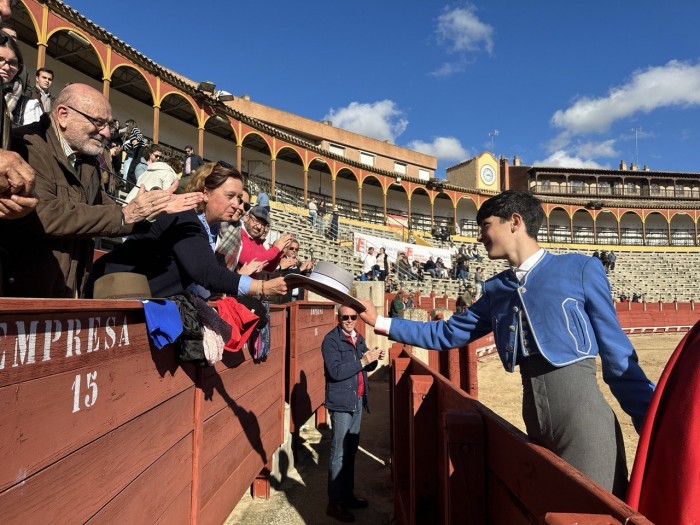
[[12, 63], [261, 222], [247, 206], [349, 317], [293, 249], [99, 124]]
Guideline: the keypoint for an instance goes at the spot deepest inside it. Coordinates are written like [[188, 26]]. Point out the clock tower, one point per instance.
[[481, 172]]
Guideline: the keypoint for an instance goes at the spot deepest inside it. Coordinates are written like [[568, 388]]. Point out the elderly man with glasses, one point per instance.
[[346, 361], [63, 148]]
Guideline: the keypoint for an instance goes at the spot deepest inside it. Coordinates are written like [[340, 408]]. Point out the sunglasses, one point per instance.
[[349, 317], [247, 206]]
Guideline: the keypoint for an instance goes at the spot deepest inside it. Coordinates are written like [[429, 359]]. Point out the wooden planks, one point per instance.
[[99, 427], [308, 325]]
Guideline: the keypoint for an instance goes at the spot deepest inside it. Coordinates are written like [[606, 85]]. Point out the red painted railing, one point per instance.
[[455, 461]]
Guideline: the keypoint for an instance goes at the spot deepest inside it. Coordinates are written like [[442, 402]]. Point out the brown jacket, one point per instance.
[[50, 251]]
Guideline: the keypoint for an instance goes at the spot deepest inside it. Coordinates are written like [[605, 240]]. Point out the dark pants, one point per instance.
[[341, 464], [564, 410]]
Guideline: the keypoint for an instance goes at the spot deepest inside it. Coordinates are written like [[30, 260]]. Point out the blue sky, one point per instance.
[[554, 82]]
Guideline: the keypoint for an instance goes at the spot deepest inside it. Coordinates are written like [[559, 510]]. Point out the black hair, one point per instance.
[[505, 204]]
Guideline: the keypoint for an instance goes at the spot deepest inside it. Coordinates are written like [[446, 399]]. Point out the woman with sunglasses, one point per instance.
[[178, 249]]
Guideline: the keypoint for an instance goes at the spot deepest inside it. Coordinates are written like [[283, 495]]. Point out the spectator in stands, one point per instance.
[[389, 285], [115, 147], [383, 264], [158, 175], [605, 260], [465, 299], [473, 253], [369, 262], [334, 227], [398, 305], [404, 269], [63, 148], [611, 261], [411, 238], [177, 251], [462, 250], [430, 267], [346, 361], [148, 156], [291, 263], [313, 212], [417, 269], [635, 297], [479, 281], [530, 308], [462, 269], [42, 88], [440, 270], [255, 228], [132, 142], [17, 178], [596, 254], [321, 217], [21, 108], [192, 162]]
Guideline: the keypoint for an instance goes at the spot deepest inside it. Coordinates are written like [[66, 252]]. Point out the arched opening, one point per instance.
[[420, 211], [255, 163], [682, 230], [631, 229], [372, 200], [466, 217], [177, 122], [583, 227], [219, 139], [559, 227], [606, 228]]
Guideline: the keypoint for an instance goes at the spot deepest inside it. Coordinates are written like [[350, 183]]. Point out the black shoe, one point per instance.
[[340, 513], [357, 503]]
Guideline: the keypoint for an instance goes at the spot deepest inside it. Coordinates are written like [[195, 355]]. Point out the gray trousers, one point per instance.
[[565, 411]]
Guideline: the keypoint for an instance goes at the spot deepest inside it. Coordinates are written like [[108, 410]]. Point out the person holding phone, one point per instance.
[[346, 361]]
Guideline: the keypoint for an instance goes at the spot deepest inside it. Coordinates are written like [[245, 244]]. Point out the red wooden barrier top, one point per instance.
[[97, 425], [455, 461]]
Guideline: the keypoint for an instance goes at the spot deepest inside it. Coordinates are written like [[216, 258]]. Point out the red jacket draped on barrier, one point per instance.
[[665, 482]]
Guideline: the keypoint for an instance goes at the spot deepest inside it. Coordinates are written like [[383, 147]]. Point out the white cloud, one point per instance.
[[444, 148], [561, 158], [605, 148], [462, 31], [448, 69], [381, 120], [674, 84]]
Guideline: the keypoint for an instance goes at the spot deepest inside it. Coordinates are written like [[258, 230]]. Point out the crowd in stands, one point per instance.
[[607, 258], [377, 267], [72, 174]]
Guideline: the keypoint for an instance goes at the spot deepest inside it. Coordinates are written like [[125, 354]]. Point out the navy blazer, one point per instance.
[[566, 301], [172, 254], [341, 361]]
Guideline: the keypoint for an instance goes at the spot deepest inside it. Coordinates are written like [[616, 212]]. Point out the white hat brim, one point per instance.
[[294, 280]]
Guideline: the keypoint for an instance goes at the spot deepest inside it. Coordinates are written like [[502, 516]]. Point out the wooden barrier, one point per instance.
[[309, 322], [97, 425], [453, 460]]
